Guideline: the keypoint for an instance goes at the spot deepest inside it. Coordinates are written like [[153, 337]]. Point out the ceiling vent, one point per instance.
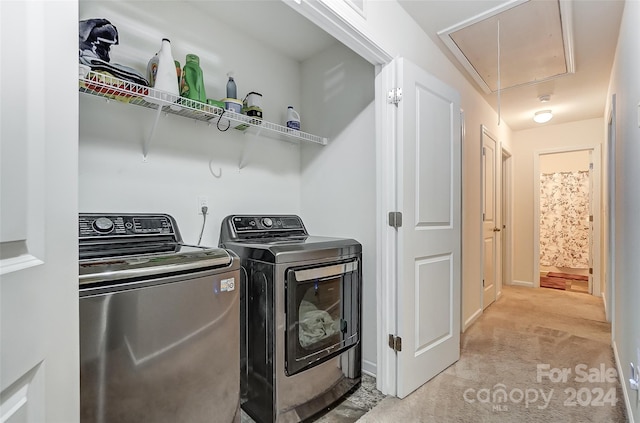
[[518, 43]]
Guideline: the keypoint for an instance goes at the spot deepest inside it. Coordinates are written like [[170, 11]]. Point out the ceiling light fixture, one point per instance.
[[543, 116]]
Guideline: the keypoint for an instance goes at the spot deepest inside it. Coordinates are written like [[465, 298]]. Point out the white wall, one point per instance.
[[338, 181], [188, 159], [625, 84], [114, 178], [525, 144]]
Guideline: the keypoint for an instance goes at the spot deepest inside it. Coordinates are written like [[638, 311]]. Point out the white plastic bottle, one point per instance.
[[165, 76], [293, 119]]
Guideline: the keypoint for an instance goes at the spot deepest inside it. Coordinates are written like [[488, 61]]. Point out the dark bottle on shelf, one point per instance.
[[232, 91]]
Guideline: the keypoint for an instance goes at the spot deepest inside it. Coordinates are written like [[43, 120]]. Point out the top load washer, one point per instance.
[[159, 323], [300, 316]]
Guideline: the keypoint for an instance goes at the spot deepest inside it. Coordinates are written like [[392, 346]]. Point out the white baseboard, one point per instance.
[[369, 368], [522, 283], [623, 382], [471, 319]]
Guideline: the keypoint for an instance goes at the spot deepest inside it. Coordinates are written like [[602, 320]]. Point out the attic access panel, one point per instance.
[[535, 44]]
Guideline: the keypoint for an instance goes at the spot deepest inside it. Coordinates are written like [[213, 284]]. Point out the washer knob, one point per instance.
[[267, 222], [103, 225]]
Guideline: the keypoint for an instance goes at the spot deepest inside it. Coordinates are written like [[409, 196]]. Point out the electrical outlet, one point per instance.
[[203, 201]]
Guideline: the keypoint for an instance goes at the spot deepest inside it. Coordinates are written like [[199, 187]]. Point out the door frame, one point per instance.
[[387, 245], [506, 196], [610, 224], [596, 194]]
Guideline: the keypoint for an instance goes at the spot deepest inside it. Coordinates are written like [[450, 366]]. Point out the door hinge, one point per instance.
[[484, 151], [483, 283], [395, 219], [395, 343], [590, 166], [394, 96], [591, 218], [591, 270]]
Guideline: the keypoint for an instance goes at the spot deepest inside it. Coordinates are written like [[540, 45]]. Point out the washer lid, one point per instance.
[[184, 258]]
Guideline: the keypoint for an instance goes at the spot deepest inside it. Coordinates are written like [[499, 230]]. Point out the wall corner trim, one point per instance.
[[470, 320]]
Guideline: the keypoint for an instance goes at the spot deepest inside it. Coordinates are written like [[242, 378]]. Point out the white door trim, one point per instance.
[[332, 18], [507, 217], [610, 213], [387, 245], [597, 193]]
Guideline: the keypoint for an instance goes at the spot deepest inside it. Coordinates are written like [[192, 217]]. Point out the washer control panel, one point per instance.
[[96, 225]]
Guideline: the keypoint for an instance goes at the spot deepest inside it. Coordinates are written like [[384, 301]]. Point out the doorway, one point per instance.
[[566, 221]]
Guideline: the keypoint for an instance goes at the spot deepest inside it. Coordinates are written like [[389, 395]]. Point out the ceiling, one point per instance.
[[272, 23], [566, 48], [561, 49]]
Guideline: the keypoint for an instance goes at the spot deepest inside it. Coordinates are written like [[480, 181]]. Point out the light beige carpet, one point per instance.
[[502, 351]]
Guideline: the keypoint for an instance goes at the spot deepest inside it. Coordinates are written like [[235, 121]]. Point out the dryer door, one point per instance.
[[323, 313]]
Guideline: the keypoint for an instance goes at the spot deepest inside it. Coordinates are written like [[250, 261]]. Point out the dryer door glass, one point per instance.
[[322, 313]]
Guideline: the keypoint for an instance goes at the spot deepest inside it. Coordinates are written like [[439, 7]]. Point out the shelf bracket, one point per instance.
[[147, 143]]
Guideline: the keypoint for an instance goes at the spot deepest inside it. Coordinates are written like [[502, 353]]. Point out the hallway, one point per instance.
[[548, 351]]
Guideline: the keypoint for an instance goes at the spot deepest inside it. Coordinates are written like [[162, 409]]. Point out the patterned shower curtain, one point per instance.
[[564, 219]]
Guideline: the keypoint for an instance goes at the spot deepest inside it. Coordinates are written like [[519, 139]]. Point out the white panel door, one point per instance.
[[39, 364], [429, 196], [490, 228]]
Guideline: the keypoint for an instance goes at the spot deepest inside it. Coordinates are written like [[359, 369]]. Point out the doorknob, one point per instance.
[[496, 229]]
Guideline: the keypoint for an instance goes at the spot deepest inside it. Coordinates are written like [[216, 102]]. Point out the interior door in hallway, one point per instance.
[[429, 243], [490, 219]]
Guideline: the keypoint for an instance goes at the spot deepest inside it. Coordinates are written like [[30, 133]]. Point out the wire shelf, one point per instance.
[[110, 87]]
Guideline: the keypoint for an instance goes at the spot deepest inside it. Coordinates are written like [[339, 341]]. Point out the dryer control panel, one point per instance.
[[245, 226]]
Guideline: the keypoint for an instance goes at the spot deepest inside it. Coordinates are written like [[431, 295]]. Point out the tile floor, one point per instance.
[[351, 408]]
